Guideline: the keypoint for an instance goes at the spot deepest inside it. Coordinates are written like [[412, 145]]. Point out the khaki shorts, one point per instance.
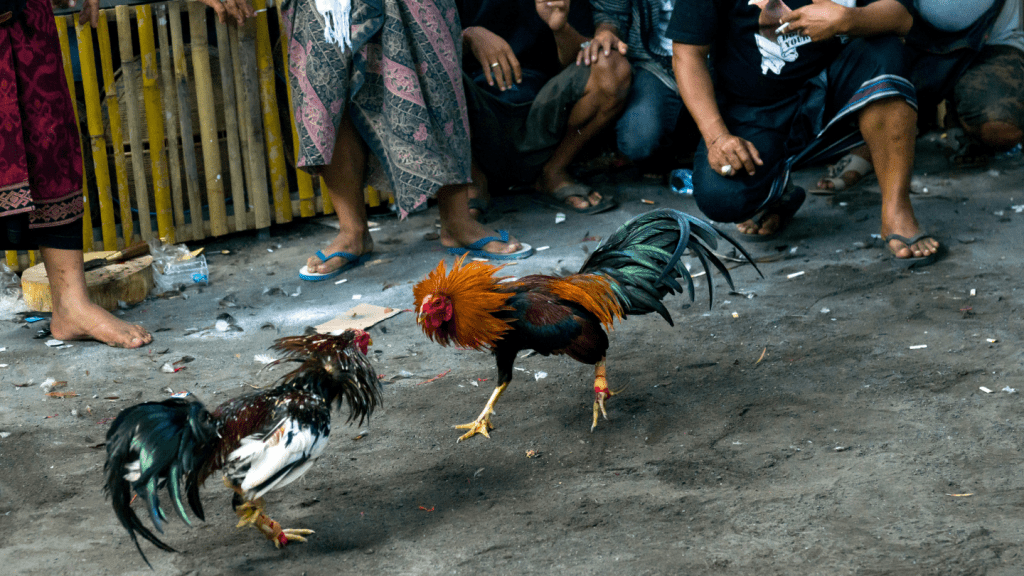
[[992, 89]]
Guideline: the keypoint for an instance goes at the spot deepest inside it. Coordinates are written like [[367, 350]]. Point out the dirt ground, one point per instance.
[[850, 448]]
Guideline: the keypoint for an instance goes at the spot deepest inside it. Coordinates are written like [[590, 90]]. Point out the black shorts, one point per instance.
[[15, 234]]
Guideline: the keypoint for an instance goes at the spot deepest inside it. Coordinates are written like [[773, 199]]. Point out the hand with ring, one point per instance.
[[498, 61], [728, 154]]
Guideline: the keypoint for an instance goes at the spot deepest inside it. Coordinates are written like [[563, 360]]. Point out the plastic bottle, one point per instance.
[[681, 181]]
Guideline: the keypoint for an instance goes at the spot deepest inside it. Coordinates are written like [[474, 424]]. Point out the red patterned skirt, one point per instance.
[[40, 153]]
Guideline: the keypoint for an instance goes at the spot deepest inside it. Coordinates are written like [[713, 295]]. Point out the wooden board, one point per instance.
[[129, 282]]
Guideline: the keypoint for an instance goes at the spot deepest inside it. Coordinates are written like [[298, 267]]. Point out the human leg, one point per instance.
[[75, 317], [459, 229], [650, 115], [989, 97], [889, 128], [344, 179], [847, 172], [603, 97]]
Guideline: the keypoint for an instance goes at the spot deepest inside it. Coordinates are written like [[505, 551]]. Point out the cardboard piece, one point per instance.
[[361, 317]]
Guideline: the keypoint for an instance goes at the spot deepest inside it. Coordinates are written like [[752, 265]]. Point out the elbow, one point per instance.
[[903, 24]]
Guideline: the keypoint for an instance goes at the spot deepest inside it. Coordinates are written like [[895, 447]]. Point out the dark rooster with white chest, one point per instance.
[[260, 441], [629, 274]]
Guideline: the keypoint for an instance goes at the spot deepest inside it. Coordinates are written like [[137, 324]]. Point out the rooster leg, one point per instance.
[[251, 513], [601, 391], [483, 422]]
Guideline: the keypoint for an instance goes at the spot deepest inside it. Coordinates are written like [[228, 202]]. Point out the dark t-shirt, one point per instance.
[[752, 63], [518, 23]]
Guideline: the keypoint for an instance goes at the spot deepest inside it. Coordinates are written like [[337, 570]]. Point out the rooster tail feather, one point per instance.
[[643, 259], [151, 446]]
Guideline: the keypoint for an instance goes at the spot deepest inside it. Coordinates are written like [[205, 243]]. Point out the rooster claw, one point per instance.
[[288, 535], [480, 426]]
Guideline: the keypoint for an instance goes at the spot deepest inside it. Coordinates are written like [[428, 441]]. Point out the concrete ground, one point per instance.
[[826, 419]]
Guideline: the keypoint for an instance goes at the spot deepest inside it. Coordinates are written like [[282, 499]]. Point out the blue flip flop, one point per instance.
[[353, 261], [476, 249]]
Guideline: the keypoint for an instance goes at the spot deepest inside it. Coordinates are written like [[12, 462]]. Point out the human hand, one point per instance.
[[499, 63], [90, 11], [240, 10], [604, 42], [727, 153], [555, 13], [821, 20]]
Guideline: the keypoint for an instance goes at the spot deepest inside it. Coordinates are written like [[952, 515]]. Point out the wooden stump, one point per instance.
[[128, 282]]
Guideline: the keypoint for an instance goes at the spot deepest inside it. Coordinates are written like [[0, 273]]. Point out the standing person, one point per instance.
[[788, 90], [41, 201], [532, 106], [636, 29], [377, 94]]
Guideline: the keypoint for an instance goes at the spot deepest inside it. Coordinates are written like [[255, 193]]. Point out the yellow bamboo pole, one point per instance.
[[155, 123], [188, 147], [129, 68], [167, 92], [249, 112], [227, 44], [116, 132], [271, 120], [12, 259], [97, 139], [207, 119], [326, 197], [307, 200], [65, 50]]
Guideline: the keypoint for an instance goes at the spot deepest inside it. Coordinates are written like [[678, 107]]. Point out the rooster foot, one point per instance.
[[601, 395], [249, 512], [479, 426], [287, 535]]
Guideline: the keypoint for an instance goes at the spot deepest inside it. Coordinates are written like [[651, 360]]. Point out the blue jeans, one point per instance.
[[651, 114]]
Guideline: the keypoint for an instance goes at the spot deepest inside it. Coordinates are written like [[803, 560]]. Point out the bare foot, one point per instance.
[[552, 181], [88, 321], [769, 224], [901, 221], [345, 241]]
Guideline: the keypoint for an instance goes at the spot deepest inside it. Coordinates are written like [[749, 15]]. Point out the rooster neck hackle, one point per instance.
[[471, 289]]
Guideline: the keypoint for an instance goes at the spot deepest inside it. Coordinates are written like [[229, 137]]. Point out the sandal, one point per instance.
[[353, 261], [907, 263], [557, 198], [849, 163], [785, 208]]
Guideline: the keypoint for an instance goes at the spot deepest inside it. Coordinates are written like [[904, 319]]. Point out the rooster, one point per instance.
[[260, 441], [629, 274]]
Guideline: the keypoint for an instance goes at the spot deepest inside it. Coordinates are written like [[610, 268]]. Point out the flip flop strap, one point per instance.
[[346, 255]]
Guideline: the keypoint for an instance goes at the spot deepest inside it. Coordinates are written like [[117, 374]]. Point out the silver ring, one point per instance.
[[495, 64], [727, 170], [585, 45]]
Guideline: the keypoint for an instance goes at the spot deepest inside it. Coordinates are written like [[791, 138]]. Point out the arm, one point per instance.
[[611, 16], [239, 10], [495, 56], [690, 64], [555, 13], [825, 19]]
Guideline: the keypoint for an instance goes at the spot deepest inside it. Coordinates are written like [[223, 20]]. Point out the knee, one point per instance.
[[611, 77], [638, 137], [720, 199], [999, 134]]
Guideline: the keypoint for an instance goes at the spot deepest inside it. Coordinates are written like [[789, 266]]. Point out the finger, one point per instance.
[[488, 70], [743, 158], [752, 150], [503, 73], [95, 17], [623, 48], [517, 70]]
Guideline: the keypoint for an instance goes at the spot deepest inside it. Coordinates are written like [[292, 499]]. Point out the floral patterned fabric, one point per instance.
[[40, 153], [401, 84]]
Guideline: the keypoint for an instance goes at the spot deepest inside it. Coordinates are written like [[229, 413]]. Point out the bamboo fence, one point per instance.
[[183, 131]]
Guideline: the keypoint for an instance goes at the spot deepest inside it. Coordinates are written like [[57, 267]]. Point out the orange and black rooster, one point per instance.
[[629, 274], [260, 441]]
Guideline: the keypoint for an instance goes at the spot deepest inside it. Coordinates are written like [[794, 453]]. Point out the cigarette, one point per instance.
[[782, 28]]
